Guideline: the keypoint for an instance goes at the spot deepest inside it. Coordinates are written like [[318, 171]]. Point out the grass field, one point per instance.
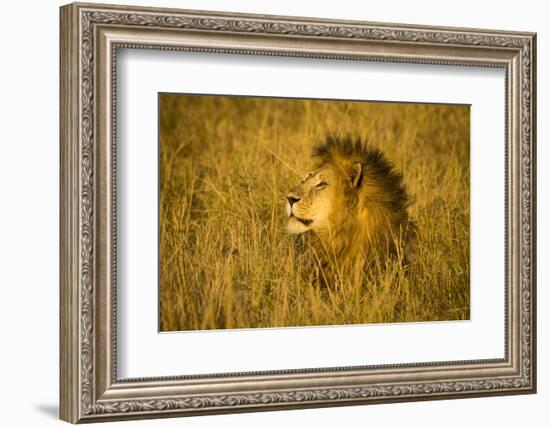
[[226, 164]]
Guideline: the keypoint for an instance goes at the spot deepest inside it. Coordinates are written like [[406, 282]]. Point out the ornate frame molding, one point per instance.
[[90, 36]]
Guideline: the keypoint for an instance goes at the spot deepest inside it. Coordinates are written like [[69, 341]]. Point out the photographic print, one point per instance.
[[303, 212]]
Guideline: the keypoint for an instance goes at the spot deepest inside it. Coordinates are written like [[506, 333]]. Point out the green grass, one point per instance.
[[226, 165]]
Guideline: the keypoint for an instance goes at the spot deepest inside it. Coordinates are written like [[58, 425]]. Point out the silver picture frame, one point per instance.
[[90, 37]]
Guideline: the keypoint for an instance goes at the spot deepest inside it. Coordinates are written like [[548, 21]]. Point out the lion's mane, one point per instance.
[[370, 223]]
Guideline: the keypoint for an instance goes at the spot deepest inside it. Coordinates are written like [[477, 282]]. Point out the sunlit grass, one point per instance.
[[226, 165]]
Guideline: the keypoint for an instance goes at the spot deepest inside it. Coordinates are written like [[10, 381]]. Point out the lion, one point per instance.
[[353, 207]]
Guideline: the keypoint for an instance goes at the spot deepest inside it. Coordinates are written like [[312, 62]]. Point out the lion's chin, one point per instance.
[[295, 226]]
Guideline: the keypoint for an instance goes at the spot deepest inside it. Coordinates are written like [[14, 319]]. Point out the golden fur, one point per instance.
[[353, 207]]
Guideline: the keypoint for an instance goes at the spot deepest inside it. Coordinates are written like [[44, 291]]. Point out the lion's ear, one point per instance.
[[356, 173]]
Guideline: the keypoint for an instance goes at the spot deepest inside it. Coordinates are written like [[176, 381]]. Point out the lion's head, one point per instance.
[[353, 201], [315, 204]]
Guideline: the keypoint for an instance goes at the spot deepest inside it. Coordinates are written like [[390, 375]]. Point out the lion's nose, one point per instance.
[[292, 199]]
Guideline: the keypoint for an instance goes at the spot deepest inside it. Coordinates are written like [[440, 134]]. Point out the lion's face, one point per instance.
[[310, 204]]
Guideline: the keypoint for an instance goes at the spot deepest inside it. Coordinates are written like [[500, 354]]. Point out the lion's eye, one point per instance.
[[321, 185]]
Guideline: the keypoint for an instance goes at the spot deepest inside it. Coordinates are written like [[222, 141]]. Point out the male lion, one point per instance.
[[354, 208]]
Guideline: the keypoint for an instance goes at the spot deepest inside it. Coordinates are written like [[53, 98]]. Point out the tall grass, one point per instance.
[[226, 165]]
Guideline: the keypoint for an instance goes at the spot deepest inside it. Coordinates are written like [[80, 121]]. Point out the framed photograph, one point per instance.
[[264, 212]]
